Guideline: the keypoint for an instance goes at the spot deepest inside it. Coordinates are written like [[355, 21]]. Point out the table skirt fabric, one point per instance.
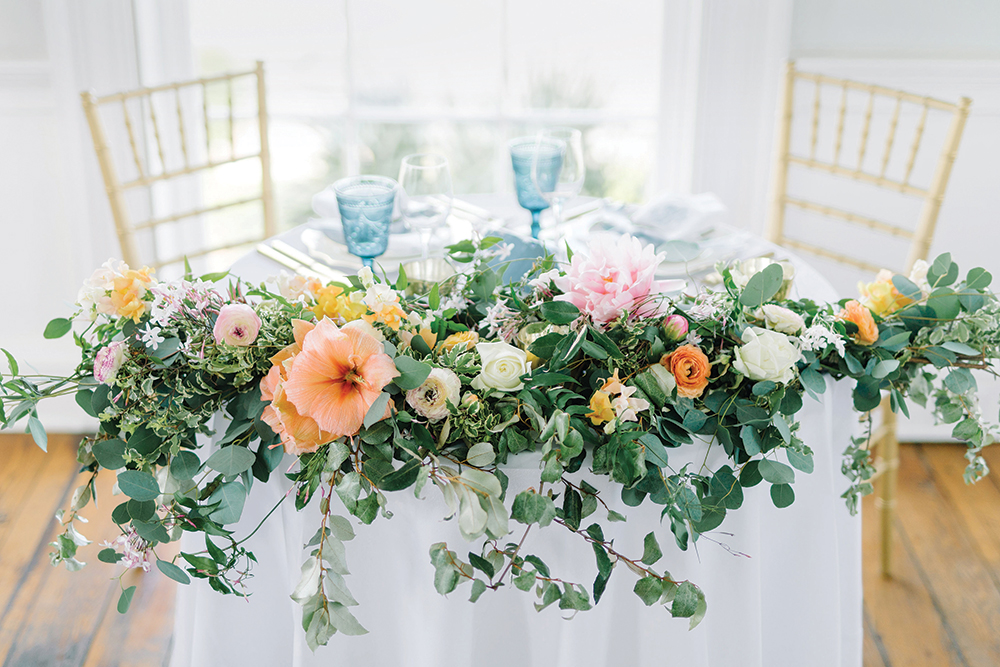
[[783, 585]]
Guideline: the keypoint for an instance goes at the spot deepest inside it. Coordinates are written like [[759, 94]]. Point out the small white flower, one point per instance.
[[366, 277], [497, 317], [543, 283], [151, 336], [918, 275], [817, 337]]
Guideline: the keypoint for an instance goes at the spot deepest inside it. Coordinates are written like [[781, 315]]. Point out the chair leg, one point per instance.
[[885, 499]]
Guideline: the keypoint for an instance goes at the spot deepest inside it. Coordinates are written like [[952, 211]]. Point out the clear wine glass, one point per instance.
[[425, 194], [569, 181], [365, 204], [542, 156]]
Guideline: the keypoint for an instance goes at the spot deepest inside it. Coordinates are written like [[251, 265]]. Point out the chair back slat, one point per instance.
[[166, 142], [881, 175]]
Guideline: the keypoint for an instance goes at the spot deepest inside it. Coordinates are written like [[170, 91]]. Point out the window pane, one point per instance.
[[599, 54], [430, 54], [471, 149]]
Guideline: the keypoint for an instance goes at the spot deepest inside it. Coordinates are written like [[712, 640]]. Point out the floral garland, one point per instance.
[[377, 388]]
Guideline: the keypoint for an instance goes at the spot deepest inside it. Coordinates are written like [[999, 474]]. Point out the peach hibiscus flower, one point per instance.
[[338, 376], [867, 329]]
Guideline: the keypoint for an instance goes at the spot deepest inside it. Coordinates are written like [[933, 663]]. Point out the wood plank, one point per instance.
[[37, 628], [957, 578], [974, 504], [142, 637], [900, 610], [872, 647], [26, 532]]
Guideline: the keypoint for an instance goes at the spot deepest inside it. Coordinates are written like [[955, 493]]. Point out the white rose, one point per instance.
[[431, 398], [766, 355], [918, 275], [779, 318], [503, 366]]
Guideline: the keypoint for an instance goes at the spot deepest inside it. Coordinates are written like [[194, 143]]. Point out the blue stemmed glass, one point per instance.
[[365, 204], [545, 155]]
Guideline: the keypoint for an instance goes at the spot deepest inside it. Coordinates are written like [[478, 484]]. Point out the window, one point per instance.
[[355, 86]]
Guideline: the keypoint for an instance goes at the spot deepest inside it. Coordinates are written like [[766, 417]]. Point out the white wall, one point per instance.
[[944, 50]]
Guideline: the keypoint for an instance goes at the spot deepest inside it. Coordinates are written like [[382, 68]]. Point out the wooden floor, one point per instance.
[[941, 609]]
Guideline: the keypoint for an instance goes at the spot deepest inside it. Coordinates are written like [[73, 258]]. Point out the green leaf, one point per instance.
[[402, 478], [434, 298], [141, 510], [751, 440], [782, 426], [572, 508], [138, 485], [800, 461], [174, 572], [183, 466], [151, 531], [231, 460], [939, 268], [940, 356], [725, 487], [57, 328], [10, 362], [978, 278], [906, 287], [813, 381], [482, 564], [478, 588], [893, 343], [763, 388], [109, 556], [650, 549], [762, 286], [960, 380], [38, 433], [231, 497], [559, 312], [967, 429], [412, 373], [401, 281], [776, 472], [656, 453], [961, 348], [376, 412], [782, 495], [530, 507], [649, 589], [685, 599], [884, 368], [125, 601]]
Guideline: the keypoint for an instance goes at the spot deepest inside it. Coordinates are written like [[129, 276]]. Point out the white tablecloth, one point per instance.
[[783, 586]]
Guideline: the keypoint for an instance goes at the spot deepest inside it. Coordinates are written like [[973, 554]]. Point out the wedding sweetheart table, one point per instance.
[[783, 585]]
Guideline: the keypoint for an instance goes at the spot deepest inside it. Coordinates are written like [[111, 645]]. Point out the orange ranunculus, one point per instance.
[[333, 302], [691, 370], [128, 291], [881, 296], [860, 315], [600, 408], [465, 339], [337, 376]]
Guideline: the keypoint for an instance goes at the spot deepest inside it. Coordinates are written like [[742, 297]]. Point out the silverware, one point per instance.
[[310, 268], [303, 258]]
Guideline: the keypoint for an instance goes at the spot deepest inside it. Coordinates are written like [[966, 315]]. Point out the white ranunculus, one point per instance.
[[431, 398], [766, 355], [779, 318], [502, 367]]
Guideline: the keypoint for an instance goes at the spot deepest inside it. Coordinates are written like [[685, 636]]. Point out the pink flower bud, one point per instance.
[[108, 361], [675, 327], [237, 325]]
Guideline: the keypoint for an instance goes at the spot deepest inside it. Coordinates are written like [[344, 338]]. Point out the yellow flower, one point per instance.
[[389, 313], [127, 293], [464, 339], [333, 302], [600, 408], [424, 332], [881, 296]]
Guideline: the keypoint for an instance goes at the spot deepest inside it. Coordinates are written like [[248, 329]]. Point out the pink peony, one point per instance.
[[237, 325], [108, 361], [618, 275]]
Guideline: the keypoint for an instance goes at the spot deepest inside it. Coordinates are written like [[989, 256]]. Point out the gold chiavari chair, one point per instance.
[[884, 438], [149, 145]]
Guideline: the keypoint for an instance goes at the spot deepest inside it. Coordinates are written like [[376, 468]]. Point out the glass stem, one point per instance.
[[368, 261], [557, 211], [536, 226], [425, 241]]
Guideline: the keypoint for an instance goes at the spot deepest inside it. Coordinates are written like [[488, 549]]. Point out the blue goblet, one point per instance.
[[365, 204], [546, 156]]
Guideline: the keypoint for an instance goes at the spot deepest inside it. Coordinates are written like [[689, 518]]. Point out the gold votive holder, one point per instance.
[[422, 274]]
